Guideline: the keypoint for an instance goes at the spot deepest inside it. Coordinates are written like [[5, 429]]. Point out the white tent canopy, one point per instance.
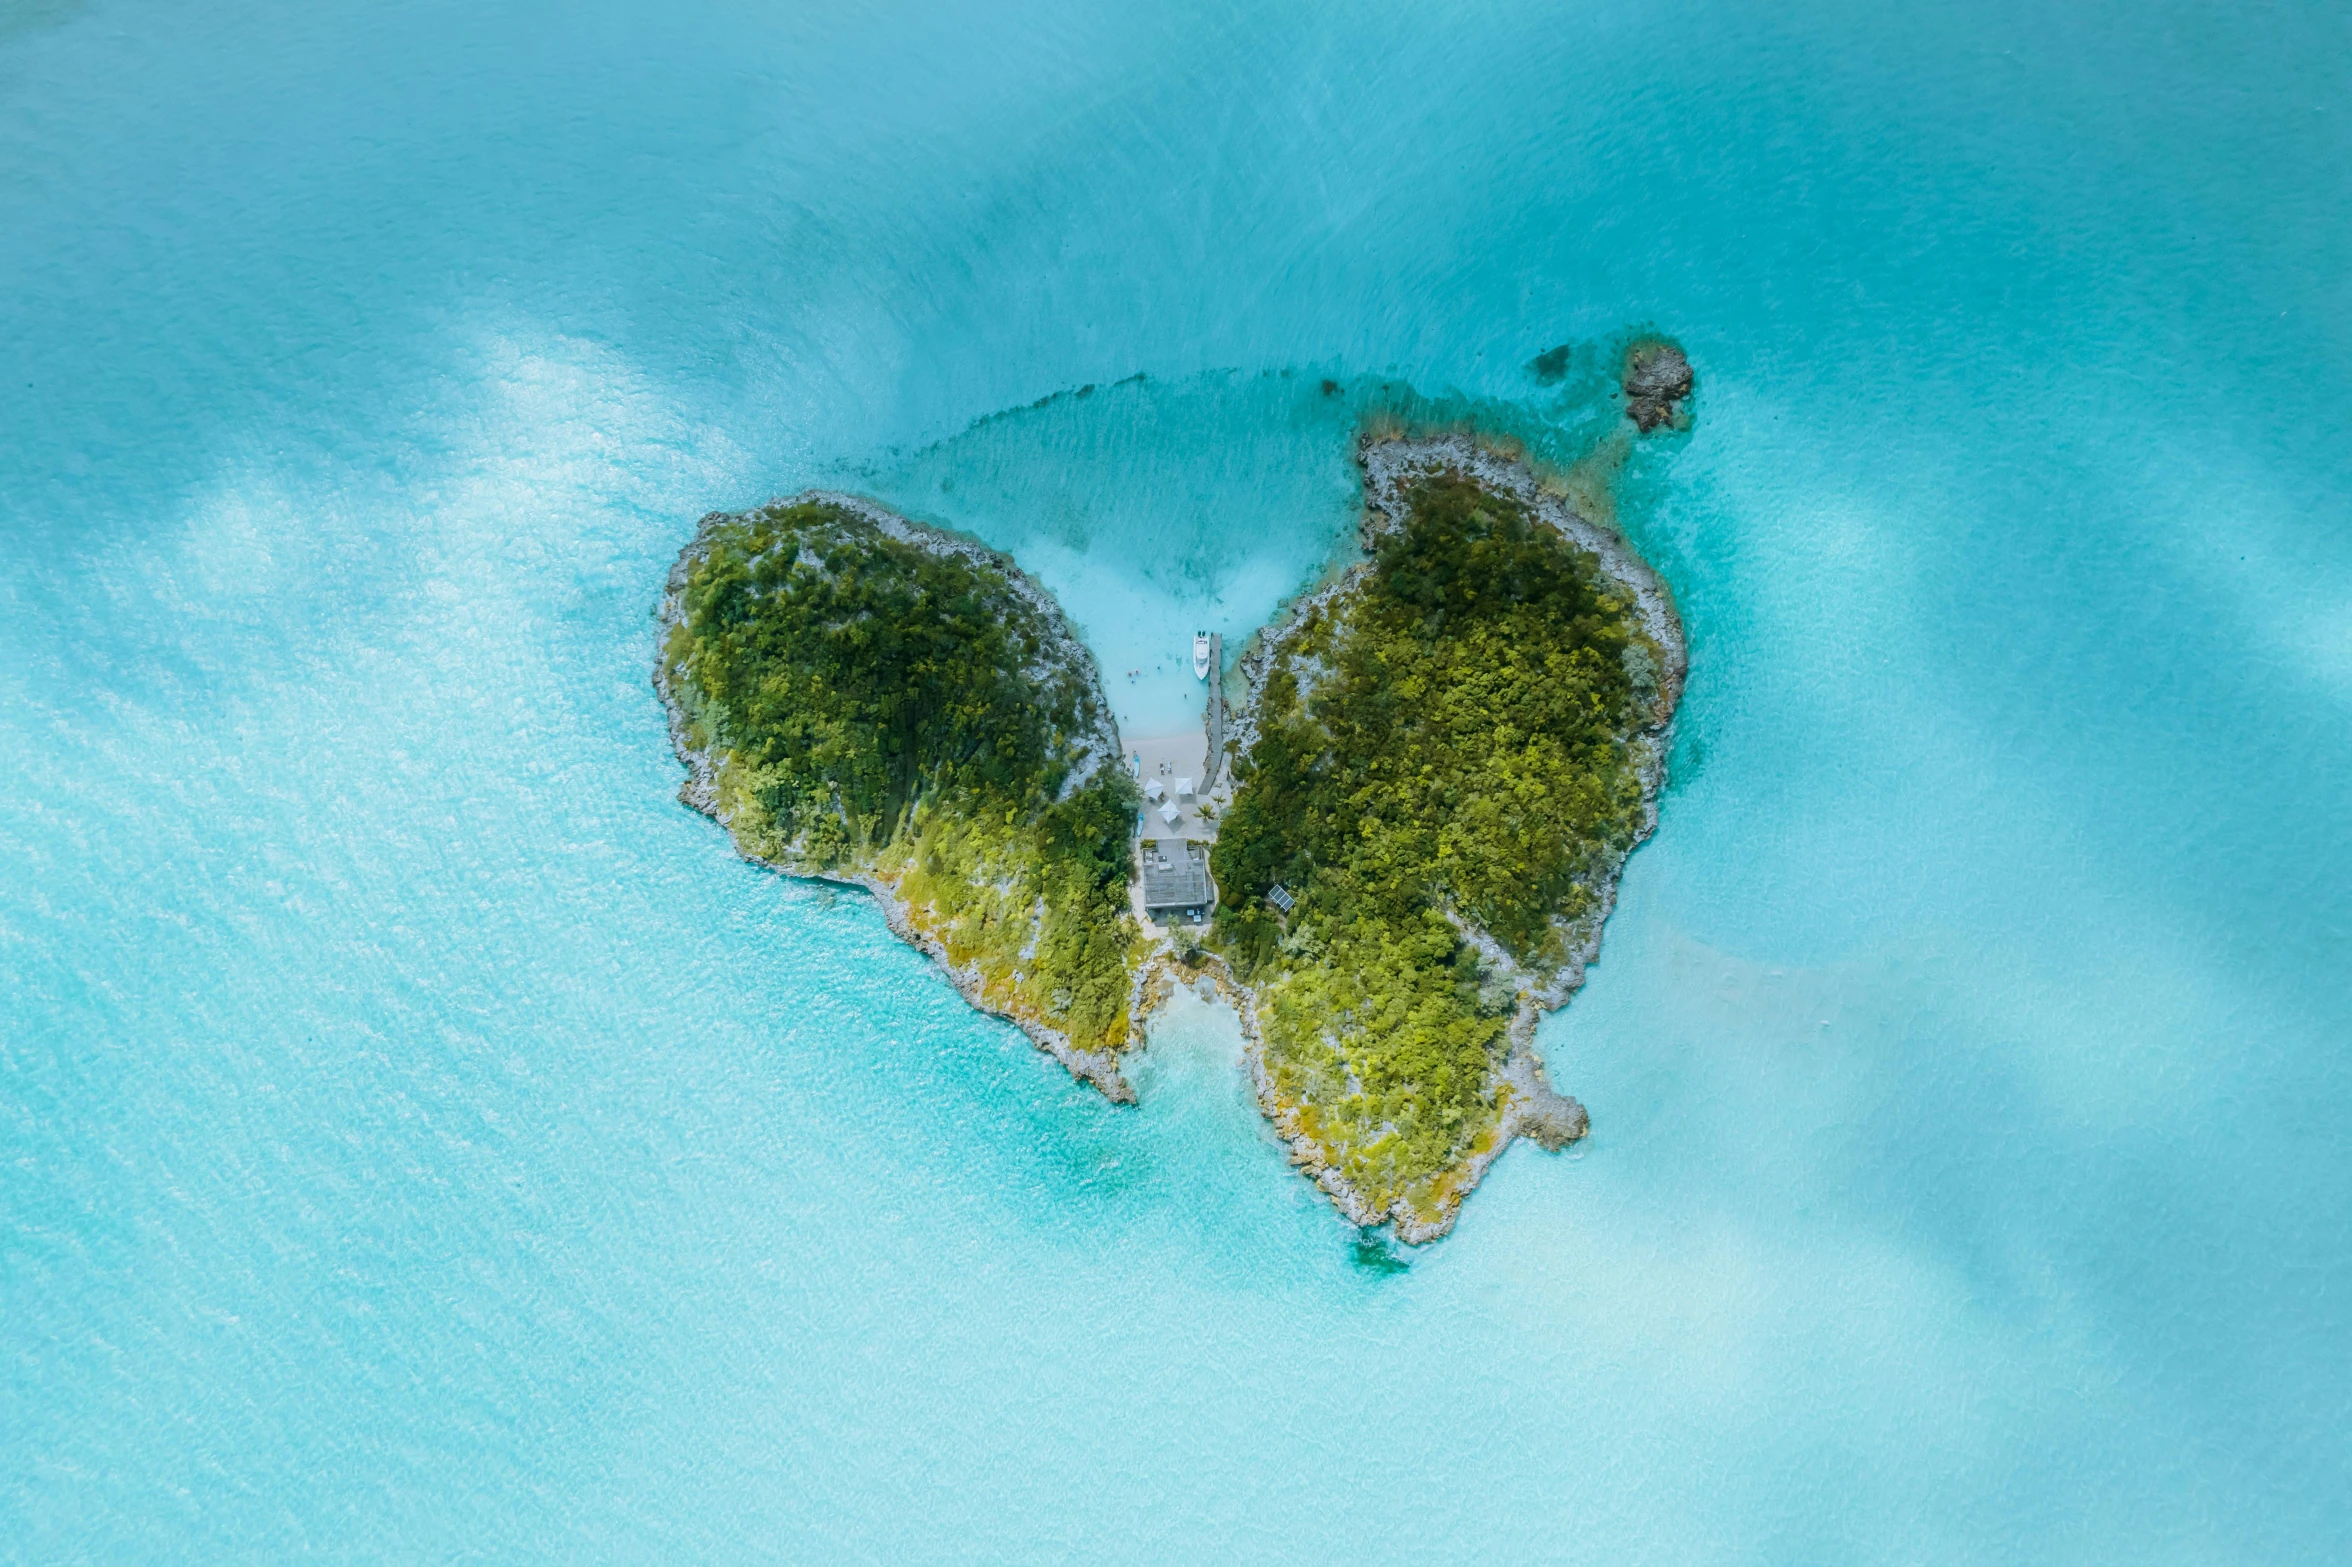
[[1183, 787], [1169, 813]]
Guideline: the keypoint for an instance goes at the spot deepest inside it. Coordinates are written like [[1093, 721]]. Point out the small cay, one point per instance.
[[1443, 759]]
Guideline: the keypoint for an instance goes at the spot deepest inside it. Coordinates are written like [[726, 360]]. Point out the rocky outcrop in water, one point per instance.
[[1657, 379]]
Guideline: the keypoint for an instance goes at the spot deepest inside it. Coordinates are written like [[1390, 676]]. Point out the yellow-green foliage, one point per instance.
[[879, 707], [1449, 736], [1029, 912]]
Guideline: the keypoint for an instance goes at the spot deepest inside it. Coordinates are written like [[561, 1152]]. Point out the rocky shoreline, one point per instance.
[[700, 790]]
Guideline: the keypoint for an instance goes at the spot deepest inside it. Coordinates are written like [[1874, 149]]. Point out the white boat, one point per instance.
[[1200, 655]]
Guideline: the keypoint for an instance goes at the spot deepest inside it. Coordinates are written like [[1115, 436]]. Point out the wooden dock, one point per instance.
[[1216, 715]]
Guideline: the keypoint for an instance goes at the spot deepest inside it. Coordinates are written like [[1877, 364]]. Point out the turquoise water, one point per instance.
[[422, 1138]]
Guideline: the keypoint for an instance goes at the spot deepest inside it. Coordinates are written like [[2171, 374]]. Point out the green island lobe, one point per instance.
[[864, 699], [1446, 756]]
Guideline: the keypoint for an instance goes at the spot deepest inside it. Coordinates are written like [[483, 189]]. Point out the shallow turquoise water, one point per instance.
[[423, 1138]]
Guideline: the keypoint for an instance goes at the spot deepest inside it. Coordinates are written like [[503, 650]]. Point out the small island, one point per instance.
[[1406, 837]]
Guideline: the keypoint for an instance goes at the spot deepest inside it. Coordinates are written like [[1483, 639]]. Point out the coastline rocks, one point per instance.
[[1657, 379], [1552, 1119]]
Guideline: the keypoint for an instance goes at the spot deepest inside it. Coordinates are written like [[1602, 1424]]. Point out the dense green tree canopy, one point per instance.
[[863, 672]]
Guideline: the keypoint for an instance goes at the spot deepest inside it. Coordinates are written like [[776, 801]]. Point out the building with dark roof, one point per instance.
[[1176, 879]]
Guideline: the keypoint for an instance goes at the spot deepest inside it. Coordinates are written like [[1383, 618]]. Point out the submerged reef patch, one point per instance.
[[1551, 366]]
